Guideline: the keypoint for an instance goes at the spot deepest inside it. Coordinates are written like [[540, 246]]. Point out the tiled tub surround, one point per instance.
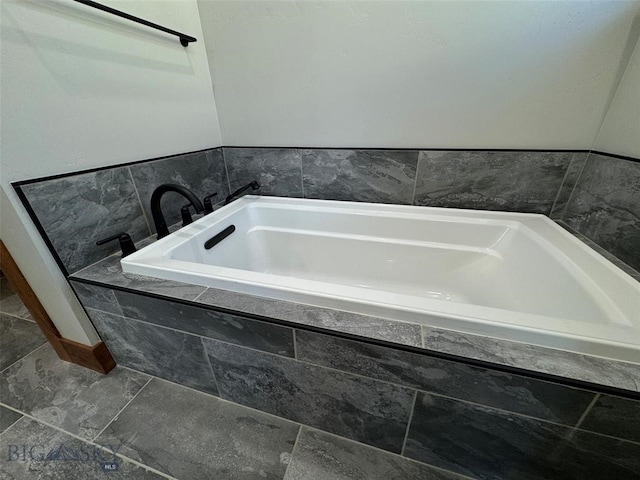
[[75, 210], [440, 412], [605, 206]]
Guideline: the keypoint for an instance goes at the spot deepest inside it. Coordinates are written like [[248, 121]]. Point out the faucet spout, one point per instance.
[[156, 211], [253, 186]]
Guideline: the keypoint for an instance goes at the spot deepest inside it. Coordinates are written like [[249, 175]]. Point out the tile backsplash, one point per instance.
[[596, 195], [512, 181], [379, 176], [78, 210], [605, 206]]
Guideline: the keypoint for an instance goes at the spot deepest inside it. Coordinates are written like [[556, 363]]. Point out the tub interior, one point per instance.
[[491, 263]]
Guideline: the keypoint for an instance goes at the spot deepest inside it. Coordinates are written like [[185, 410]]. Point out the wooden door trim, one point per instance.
[[96, 357]]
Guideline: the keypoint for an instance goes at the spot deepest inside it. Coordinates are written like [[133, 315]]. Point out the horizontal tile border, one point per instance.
[[569, 382]]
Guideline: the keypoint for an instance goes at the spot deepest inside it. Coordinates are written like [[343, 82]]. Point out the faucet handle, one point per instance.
[[185, 213], [126, 244], [208, 206]]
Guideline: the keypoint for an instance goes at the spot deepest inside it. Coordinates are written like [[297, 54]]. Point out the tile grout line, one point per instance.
[[415, 180], [299, 150], [208, 360], [226, 169], [121, 410], [135, 187], [406, 435], [575, 185], [24, 356], [587, 411], [89, 442], [194, 300], [566, 174], [293, 452], [18, 317], [295, 345]]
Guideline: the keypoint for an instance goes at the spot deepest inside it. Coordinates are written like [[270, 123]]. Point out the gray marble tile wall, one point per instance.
[[526, 181], [277, 170], [512, 181], [605, 206], [439, 412], [77, 210]]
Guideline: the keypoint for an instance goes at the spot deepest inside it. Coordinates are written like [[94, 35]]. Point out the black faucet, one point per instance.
[[156, 212], [253, 185]]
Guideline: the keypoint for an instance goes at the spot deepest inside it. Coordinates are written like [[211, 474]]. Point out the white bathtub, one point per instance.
[[512, 276]]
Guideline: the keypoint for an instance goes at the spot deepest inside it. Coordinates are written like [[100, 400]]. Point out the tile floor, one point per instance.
[[61, 421]]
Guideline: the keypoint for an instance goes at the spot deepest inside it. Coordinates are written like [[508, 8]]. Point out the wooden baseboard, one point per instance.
[[96, 357]]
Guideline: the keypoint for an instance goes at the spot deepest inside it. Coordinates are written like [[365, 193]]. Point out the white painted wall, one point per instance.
[[484, 74], [82, 89], [620, 132]]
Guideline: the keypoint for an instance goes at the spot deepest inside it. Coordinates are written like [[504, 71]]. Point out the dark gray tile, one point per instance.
[[98, 298], [347, 322], [366, 410], [109, 272], [489, 444], [156, 350], [277, 170], [18, 337], [10, 302], [606, 254], [615, 416], [514, 393], [202, 172], [605, 206], [65, 395], [600, 452], [319, 455], [8, 418], [562, 363], [58, 456], [220, 326], [79, 210], [190, 435], [383, 176], [490, 180], [570, 179]]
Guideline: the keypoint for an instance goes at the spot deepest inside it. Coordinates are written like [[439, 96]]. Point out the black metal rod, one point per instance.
[[184, 39]]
